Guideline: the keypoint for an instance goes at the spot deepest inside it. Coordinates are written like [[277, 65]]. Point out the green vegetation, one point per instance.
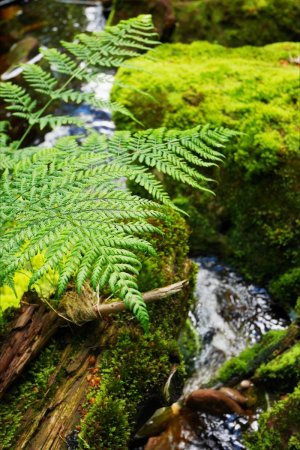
[[236, 22], [282, 371], [279, 427], [250, 359], [129, 382], [189, 343], [232, 23], [70, 205], [253, 221]]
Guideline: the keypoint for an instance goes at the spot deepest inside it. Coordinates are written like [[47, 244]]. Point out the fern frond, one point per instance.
[[71, 202], [109, 49], [41, 81], [175, 153], [59, 62], [19, 100], [115, 45]]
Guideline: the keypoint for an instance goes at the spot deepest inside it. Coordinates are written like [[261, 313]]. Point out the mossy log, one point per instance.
[[51, 402], [86, 387], [36, 324], [47, 423], [251, 361], [48, 428]]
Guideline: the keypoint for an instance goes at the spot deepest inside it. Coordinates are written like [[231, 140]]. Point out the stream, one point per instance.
[[229, 313], [228, 316]]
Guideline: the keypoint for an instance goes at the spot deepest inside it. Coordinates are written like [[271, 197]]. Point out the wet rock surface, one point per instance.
[[213, 402], [235, 395]]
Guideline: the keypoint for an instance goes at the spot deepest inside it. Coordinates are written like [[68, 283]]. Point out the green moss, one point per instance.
[[282, 371], [248, 360], [297, 307], [279, 427], [171, 248], [28, 393], [232, 23], [189, 344], [253, 221], [134, 369], [132, 372], [215, 75], [238, 22], [287, 286]]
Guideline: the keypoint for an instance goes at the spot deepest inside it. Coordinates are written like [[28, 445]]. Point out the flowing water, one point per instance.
[[229, 314]]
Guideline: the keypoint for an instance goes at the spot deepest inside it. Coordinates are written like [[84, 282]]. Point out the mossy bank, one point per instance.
[[273, 365], [233, 23], [253, 220]]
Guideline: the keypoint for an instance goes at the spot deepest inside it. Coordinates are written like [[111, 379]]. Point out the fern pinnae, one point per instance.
[[69, 202]]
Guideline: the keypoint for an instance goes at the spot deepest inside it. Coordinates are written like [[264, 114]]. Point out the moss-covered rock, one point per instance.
[[251, 358], [236, 22], [254, 218], [282, 371], [279, 427], [232, 23]]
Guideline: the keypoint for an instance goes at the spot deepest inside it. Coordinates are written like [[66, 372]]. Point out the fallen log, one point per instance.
[[36, 324]]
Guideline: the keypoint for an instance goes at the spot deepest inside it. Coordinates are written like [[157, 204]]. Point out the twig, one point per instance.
[[150, 296]]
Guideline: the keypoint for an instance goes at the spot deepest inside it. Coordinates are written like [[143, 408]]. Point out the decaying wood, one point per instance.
[[36, 324], [49, 427], [30, 331]]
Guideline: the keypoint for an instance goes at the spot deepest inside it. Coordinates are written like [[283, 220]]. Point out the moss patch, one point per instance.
[[254, 219], [250, 359], [282, 371], [236, 22], [279, 427], [132, 372]]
